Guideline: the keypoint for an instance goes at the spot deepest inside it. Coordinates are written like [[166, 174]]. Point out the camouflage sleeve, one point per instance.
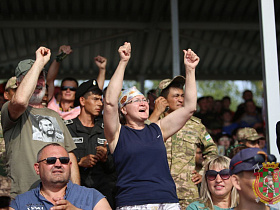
[[209, 146]]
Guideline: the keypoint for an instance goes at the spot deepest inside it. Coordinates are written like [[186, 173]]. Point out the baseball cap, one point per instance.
[[23, 67], [248, 159], [166, 82], [249, 134], [11, 83], [83, 89]]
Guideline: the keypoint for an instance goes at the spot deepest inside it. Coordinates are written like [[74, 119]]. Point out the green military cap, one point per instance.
[[166, 82], [249, 134]]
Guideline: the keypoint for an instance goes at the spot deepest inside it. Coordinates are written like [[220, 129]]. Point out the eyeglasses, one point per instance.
[[258, 159], [52, 160], [212, 174], [63, 88], [138, 100]]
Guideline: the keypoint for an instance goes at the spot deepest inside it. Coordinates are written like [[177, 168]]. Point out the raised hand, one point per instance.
[[161, 104], [101, 62], [125, 51], [43, 55], [190, 59], [66, 49]]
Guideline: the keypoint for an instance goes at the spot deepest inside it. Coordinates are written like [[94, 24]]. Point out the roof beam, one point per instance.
[[247, 26]]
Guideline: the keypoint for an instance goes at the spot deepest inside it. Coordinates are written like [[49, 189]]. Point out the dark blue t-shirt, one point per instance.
[[81, 197], [142, 168]]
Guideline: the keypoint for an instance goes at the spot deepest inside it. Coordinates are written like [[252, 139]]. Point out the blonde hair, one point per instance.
[[206, 198]]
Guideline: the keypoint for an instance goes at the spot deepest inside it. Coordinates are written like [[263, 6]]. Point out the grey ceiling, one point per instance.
[[224, 33]]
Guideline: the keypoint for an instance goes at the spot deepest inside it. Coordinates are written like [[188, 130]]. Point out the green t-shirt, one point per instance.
[[200, 206], [22, 141]]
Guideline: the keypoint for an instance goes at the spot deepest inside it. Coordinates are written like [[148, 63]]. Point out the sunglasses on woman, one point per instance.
[[212, 174], [52, 160]]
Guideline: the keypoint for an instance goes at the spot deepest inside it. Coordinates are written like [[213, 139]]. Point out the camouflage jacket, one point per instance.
[[2, 151], [181, 151]]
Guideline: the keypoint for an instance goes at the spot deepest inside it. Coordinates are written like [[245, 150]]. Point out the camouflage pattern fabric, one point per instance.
[[181, 151], [5, 182]]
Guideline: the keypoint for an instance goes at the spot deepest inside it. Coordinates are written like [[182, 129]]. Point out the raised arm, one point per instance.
[[111, 117], [179, 117], [101, 63], [53, 70], [25, 90]]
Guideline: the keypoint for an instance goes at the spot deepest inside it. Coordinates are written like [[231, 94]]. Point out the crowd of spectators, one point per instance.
[[151, 152]]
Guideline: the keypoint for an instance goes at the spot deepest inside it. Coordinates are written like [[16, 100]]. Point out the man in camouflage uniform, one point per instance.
[[5, 183], [246, 137], [181, 147]]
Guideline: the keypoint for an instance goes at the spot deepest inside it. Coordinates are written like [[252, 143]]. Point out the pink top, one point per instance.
[[71, 114]]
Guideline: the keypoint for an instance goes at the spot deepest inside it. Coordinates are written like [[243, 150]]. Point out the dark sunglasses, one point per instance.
[[68, 87], [258, 159], [212, 174], [52, 160]]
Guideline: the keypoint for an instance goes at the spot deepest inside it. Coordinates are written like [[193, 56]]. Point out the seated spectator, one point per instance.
[[246, 95], [226, 101], [56, 191], [251, 118], [225, 140], [208, 118], [228, 124], [249, 137], [210, 103], [262, 141], [243, 168], [217, 191]]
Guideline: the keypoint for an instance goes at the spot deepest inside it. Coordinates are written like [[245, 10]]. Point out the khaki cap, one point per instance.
[[11, 83], [249, 134], [166, 82]]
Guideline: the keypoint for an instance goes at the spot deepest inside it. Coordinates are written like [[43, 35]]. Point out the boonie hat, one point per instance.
[[11, 83], [246, 160], [249, 134], [83, 89], [166, 82]]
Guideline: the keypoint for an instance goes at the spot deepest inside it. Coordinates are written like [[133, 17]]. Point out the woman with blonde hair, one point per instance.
[[217, 191]]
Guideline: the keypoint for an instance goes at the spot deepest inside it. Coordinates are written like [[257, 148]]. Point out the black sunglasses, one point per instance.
[[212, 174], [52, 160], [68, 87], [258, 159]]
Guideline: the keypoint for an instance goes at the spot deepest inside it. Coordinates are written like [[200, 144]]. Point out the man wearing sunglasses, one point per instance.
[[94, 159], [65, 108], [181, 147], [242, 168], [19, 119], [56, 191]]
